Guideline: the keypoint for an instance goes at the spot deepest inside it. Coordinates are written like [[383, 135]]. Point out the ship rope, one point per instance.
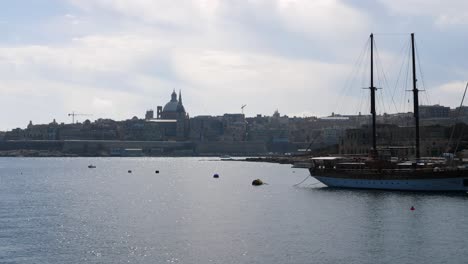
[[356, 71], [305, 179], [455, 125], [403, 55], [423, 83]]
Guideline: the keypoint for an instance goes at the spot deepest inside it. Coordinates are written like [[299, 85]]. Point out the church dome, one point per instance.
[[172, 105], [180, 108]]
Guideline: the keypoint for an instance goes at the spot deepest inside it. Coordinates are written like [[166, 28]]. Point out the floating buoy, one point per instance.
[[129, 171], [157, 171], [216, 175], [412, 208], [257, 182]]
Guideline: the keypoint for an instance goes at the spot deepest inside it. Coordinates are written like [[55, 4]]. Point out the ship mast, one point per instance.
[[372, 92], [415, 99]]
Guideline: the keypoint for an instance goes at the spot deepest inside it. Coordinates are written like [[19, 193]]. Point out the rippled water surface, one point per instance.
[[56, 210]]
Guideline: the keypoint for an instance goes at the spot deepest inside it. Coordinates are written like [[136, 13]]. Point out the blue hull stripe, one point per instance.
[[450, 184]]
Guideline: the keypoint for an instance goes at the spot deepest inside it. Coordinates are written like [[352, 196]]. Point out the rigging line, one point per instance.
[[409, 83], [455, 123], [405, 84], [426, 93], [383, 81], [378, 81], [351, 76], [313, 141], [361, 74], [367, 106], [401, 54], [361, 82], [380, 99], [359, 106]]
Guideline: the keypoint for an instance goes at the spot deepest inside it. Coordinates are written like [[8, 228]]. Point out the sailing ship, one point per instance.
[[378, 172]]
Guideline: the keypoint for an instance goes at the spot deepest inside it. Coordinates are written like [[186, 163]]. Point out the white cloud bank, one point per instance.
[[443, 13], [116, 58]]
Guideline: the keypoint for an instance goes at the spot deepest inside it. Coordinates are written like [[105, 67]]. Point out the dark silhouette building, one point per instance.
[[174, 109], [175, 117]]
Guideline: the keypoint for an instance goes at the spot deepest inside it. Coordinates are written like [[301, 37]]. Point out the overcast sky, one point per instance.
[[118, 58]]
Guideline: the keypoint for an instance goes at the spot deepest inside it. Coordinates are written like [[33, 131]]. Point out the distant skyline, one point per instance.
[[116, 58]]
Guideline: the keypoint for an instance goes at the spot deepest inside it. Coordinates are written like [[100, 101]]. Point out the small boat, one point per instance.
[[92, 166]]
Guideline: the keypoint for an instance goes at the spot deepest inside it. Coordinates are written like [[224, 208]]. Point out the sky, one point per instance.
[[118, 58]]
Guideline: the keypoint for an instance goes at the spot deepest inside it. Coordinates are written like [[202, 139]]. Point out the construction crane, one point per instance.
[[242, 108], [73, 114]]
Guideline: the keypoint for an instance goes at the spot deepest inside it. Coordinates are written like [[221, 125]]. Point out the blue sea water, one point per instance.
[[57, 210]]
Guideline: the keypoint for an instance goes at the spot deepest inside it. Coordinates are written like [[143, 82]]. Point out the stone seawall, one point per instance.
[[232, 147], [50, 145], [145, 148]]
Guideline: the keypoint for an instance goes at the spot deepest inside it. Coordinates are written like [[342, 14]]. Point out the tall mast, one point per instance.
[[415, 99], [372, 90]]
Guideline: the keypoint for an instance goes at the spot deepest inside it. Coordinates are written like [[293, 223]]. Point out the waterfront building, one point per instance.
[[234, 127], [357, 141], [206, 128], [149, 115], [434, 111]]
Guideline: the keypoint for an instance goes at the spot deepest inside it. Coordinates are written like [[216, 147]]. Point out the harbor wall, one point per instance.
[[147, 148], [100, 147], [52, 145], [231, 147]]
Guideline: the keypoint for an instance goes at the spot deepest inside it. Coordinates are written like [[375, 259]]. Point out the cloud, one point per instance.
[[449, 93], [443, 13], [42, 100], [321, 18], [263, 82], [102, 75], [101, 103], [90, 53], [116, 58], [183, 12], [452, 87]]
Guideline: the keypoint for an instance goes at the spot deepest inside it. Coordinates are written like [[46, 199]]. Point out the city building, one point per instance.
[[433, 111], [173, 119]]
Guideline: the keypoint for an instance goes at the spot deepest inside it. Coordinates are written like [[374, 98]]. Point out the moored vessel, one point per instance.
[[381, 172]]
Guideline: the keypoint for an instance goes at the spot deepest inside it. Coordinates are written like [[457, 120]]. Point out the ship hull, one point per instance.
[[442, 184]]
